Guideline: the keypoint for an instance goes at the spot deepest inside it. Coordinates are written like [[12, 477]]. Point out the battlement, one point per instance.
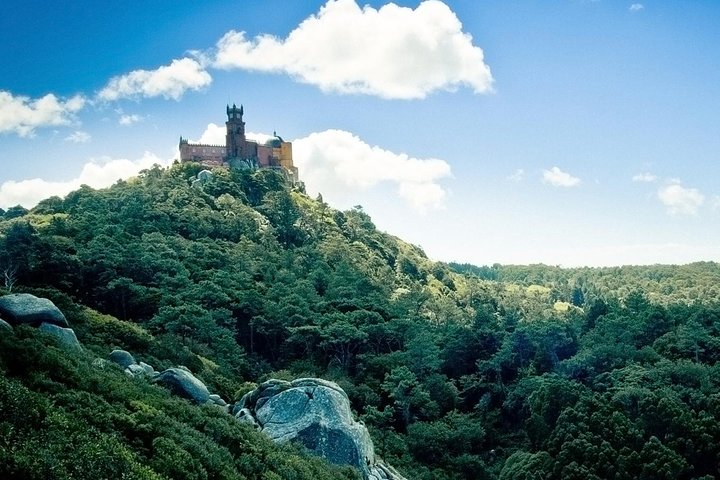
[[185, 141]]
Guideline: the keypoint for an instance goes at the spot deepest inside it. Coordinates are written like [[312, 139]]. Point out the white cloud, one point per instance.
[[716, 202], [22, 115], [126, 119], [517, 175], [680, 200], [335, 161], [558, 178], [215, 135], [168, 81], [97, 174], [391, 52], [422, 196], [257, 137], [78, 136], [645, 177], [636, 7]]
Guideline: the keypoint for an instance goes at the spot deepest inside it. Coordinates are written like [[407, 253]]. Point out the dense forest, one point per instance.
[[459, 372]]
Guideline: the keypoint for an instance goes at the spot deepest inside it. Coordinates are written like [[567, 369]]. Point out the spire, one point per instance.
[[241, 110]]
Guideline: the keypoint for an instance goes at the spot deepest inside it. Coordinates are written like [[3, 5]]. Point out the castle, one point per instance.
[[239, 152]]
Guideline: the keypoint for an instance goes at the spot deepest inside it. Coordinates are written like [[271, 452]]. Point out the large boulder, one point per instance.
[[122, 358], [66, 336], [316, 413], [19, 308], [183, 383]]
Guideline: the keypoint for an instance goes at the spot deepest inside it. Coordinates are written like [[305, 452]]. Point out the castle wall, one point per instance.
[[251, 149], [263, 154], [276, 159], [211, 155]]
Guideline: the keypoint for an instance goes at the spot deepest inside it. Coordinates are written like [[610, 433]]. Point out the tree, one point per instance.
[[411, 399], [578, 298], [283, 214], [423, 354], [18, 251], [527, 466], [341, 339], [9, 275], [15, 212]]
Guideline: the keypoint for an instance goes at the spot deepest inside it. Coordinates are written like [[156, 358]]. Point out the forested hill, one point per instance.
[[664, 284], [459, 373]]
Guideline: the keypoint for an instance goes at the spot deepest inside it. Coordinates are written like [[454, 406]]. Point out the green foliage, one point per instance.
[[458, 371], [95, 328], [527, 466]]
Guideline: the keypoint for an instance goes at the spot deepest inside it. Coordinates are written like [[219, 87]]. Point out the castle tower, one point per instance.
[[235, 142]]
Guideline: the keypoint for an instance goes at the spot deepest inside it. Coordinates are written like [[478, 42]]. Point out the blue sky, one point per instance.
[[572, 132]]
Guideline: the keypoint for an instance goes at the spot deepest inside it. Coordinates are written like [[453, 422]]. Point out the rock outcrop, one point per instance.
[[66, 336], [18, 308], [316, 413], [180, 381], [184, 384], [24, 308]]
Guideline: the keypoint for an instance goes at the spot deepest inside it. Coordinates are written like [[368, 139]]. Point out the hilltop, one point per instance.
[[458, 371]]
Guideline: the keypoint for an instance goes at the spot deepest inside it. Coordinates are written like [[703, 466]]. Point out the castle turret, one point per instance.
[[235, 142]]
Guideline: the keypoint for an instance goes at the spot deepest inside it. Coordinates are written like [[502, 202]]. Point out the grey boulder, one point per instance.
[[183, 383], [316, 413], [122, 358], [66, 336], [25, 308]]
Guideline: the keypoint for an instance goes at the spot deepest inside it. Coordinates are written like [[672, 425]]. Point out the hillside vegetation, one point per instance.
[[459, 372]]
